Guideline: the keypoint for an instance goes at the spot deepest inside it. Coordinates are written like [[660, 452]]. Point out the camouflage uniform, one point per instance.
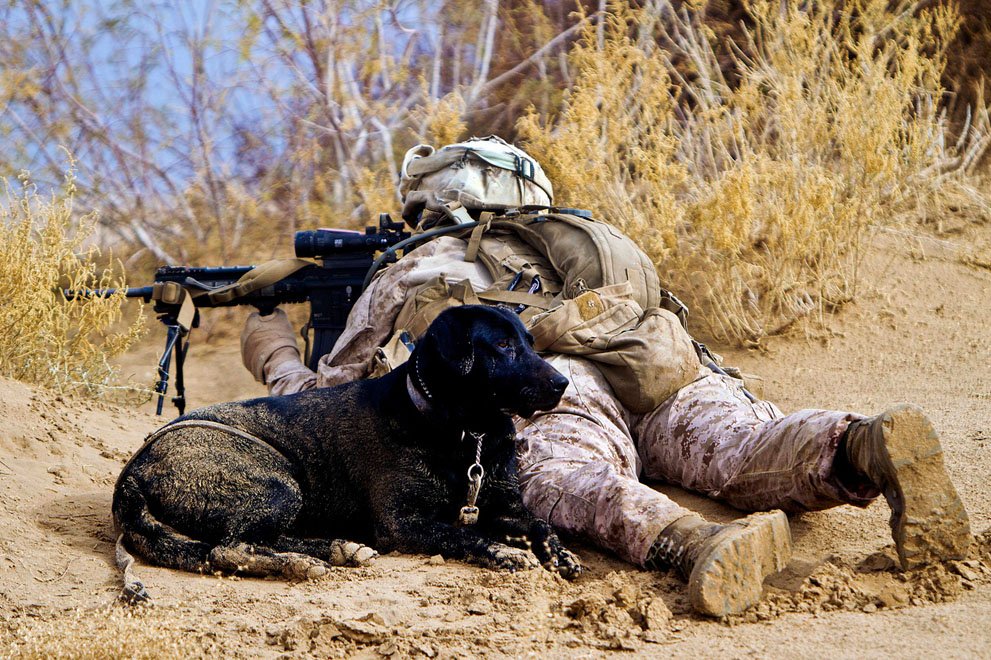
[[581, 463]]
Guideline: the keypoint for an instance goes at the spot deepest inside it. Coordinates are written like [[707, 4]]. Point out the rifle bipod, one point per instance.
[[175, 342]]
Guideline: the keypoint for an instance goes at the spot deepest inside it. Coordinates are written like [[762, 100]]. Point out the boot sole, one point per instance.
[[730, 577], [928, 520]]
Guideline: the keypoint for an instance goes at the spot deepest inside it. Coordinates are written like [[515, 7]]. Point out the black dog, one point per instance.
[[271, 486]]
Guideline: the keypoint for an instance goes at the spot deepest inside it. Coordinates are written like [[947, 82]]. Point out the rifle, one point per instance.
[[331, 287]]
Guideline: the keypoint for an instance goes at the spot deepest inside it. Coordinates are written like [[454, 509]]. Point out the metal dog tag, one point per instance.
[[469, 512]]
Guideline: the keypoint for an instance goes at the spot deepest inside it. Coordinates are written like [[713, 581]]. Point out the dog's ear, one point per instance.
[[452, 337]]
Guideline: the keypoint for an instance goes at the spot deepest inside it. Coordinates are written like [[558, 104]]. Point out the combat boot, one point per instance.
[[899, 453], [725, 565]]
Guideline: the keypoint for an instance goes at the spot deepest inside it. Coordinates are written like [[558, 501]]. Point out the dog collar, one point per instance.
[[418, 390], [419, 400]]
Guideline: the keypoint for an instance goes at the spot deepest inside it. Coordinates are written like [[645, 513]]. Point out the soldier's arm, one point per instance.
[[373, 318], [268, 344]]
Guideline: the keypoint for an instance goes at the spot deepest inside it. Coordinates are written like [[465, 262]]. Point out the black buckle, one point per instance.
[[524, 167]]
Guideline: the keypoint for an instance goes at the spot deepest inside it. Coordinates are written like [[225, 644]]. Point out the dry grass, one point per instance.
[[135, 633], [44, 339], [757, 201]]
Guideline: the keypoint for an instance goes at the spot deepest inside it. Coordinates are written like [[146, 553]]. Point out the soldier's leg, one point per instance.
[[579, 470], [709, 437]]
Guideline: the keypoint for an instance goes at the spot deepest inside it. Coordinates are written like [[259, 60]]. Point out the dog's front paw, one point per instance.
[[566, 563], [555, 557], [512, 559], [303, 567], [349, 553]]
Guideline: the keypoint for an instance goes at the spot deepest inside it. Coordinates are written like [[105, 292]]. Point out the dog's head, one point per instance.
[[478, 360]]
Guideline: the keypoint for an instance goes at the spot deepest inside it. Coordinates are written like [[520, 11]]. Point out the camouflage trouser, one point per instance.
[[580, 463]]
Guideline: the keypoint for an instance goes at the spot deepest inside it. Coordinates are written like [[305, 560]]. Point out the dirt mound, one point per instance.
[[871, 584], [920, 335]]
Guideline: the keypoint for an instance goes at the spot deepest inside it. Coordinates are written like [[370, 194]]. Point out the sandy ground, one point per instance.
[[921, 333]]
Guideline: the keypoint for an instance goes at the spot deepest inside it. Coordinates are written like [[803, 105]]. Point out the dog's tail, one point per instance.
[[133, 590], [151, 538]]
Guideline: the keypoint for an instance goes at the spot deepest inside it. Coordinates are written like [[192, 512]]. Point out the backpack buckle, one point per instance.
[[525, 168]]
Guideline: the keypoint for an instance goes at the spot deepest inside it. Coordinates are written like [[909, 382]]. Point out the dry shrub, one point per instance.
[[136, 633], [610, 149], [45, 339], [756, 200], [441, 121]]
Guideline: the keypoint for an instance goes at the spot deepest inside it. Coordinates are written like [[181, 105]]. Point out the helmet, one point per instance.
[[486, 174]]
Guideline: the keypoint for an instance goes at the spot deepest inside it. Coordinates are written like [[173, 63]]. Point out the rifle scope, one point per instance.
[[320, 243]]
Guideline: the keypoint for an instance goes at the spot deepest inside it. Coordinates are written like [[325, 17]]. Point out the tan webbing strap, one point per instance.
[[495, 253], [461, 293], [255, 279], [484, 222], [170, 293], [173, 293], [187, 313], [515, 298]]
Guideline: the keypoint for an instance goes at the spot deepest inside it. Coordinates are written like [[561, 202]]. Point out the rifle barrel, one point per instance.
[[134, 292]]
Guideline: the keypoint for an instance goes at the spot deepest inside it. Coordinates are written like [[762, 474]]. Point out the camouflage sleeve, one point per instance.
[[285, 373], [373, 317]]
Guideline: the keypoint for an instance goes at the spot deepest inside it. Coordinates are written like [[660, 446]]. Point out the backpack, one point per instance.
[[582, 288], [580, 285], [582, 252]]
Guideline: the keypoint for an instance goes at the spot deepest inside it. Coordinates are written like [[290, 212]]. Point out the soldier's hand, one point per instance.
[[262, 337]]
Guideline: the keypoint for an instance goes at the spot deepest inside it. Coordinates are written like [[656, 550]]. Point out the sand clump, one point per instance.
[[869, 585]]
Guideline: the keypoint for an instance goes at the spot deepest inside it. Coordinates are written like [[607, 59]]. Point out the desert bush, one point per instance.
[[63, 344], [756, 200]]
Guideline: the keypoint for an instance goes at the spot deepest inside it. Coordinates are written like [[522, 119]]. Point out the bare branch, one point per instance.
[[561, 38]]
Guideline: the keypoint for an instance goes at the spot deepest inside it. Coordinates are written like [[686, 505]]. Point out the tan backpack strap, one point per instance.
[[671, 303], [484, 223], [464, 293], [461, 293], [515, 298], [255, 279], [173, 293]]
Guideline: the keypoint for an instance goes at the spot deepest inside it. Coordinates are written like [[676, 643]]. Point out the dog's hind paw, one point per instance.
[[349, 553], [512, 559]]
